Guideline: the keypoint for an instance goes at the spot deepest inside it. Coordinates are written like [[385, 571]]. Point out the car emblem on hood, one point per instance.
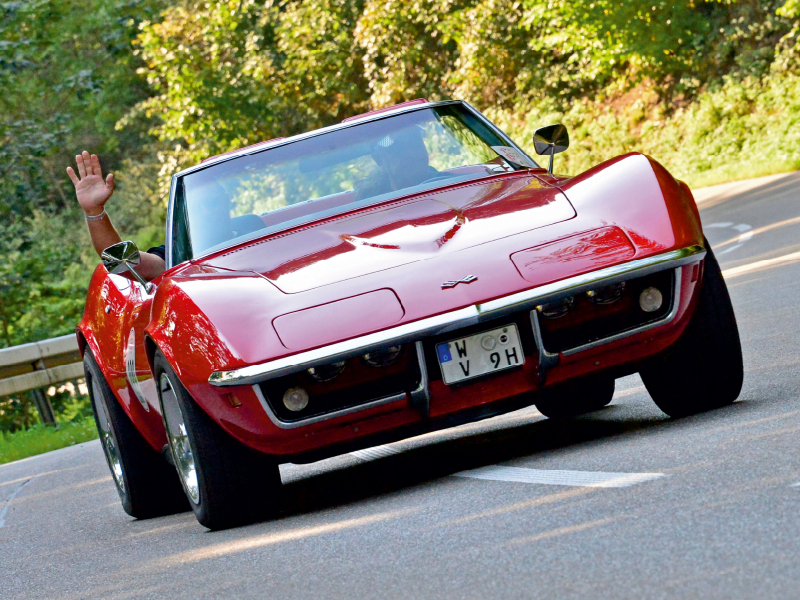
[[467, 279]]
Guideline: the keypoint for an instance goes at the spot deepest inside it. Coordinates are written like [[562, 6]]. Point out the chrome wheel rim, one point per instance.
[[107, 437], [178, 438]]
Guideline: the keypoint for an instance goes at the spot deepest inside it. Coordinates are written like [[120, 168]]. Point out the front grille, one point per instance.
[[358, 384], [587, 322]]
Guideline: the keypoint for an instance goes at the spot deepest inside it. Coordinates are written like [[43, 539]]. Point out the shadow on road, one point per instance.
[[424, 464]]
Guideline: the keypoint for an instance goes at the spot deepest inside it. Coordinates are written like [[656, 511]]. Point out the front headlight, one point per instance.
[[324, 373], [554, 310], [608, 294], [383, 358]]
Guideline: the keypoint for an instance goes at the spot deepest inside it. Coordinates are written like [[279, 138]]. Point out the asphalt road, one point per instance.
[[622, 503]]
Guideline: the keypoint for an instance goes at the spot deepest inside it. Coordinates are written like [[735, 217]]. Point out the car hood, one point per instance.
[[399, 232]]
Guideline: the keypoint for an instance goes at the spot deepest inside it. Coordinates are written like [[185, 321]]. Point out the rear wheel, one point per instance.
[[146, 483], [227, 483], [574, 398], [703, 369]]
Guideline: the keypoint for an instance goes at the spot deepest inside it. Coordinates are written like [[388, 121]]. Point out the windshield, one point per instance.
[[328, 173]]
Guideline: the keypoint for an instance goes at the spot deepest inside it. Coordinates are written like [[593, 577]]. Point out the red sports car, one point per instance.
[[405, 270]]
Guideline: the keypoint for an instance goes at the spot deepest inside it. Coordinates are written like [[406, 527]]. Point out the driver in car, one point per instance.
[[93, 192], [402, 159]]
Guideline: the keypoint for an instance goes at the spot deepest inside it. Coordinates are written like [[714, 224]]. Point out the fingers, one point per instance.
[[110, 183], [81, 166], [87, 162], [72, 176], [96, 166]]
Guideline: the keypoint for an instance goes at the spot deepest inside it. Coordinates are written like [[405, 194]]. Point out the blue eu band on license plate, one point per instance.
[[443, 351], [480, 354]]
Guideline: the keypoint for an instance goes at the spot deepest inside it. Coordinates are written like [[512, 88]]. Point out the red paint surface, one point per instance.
[[591, 250], [426, 226], [322, 324]]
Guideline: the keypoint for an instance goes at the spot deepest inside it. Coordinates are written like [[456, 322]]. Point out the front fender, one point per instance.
[[637, 194]]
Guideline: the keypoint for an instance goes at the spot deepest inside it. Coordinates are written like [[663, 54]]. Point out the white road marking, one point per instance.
[[4, 510], [375, 453], [745, 235], [598, 479], [731, 249], [761, 264]]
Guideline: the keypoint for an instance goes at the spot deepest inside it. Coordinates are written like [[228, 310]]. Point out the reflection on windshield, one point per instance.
[[339, 170]]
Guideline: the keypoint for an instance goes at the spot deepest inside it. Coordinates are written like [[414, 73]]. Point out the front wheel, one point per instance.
[[145, 482], [703, 369], [227, 483]]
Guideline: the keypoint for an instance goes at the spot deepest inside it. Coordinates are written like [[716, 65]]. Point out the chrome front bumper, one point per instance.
[[471, 315]]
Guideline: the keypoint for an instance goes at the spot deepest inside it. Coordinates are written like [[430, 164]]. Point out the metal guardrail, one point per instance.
[[32, 367]]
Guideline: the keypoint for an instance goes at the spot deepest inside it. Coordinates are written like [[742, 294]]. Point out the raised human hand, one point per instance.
[[90, 188]]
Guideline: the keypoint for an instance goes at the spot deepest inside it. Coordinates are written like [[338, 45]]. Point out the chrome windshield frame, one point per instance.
[[250, 150], [470, 315]]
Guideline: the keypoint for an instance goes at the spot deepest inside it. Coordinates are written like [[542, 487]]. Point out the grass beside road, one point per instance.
[[40, 439]]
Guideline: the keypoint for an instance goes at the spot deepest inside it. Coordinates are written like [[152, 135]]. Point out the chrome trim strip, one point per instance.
[[546, 360], [168, 240], [421, 396], [470, 315], [337, 413]]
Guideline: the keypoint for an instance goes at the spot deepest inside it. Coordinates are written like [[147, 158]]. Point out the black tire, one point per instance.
[[235, 485], [146, 483], [577, 397], [703, 370]]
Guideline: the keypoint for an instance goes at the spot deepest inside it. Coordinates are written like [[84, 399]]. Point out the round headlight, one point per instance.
[[295, 399], [650, 300], [326, 372], [553, 310], [383, 358]]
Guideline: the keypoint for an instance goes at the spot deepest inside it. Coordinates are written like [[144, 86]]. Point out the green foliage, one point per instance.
[[743, 129], [230, 74], [39, 439], [68, 74], [233, 73]]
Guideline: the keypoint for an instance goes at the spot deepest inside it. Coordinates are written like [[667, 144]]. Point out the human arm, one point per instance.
[[93, 192]]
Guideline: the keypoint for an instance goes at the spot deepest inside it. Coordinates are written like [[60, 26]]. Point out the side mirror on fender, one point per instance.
[[550, 140], [122, 257]]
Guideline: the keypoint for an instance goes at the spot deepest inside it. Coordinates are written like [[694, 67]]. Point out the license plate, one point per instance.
[[479, 354]]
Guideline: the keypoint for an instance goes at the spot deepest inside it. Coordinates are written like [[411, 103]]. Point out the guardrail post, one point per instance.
[[44, 407], [41, 400]]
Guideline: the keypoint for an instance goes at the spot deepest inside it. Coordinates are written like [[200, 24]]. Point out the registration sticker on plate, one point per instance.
[[479, 354]]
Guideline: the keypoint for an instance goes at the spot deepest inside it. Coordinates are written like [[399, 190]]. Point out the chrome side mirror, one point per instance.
[[122, 257], [550, 140]]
